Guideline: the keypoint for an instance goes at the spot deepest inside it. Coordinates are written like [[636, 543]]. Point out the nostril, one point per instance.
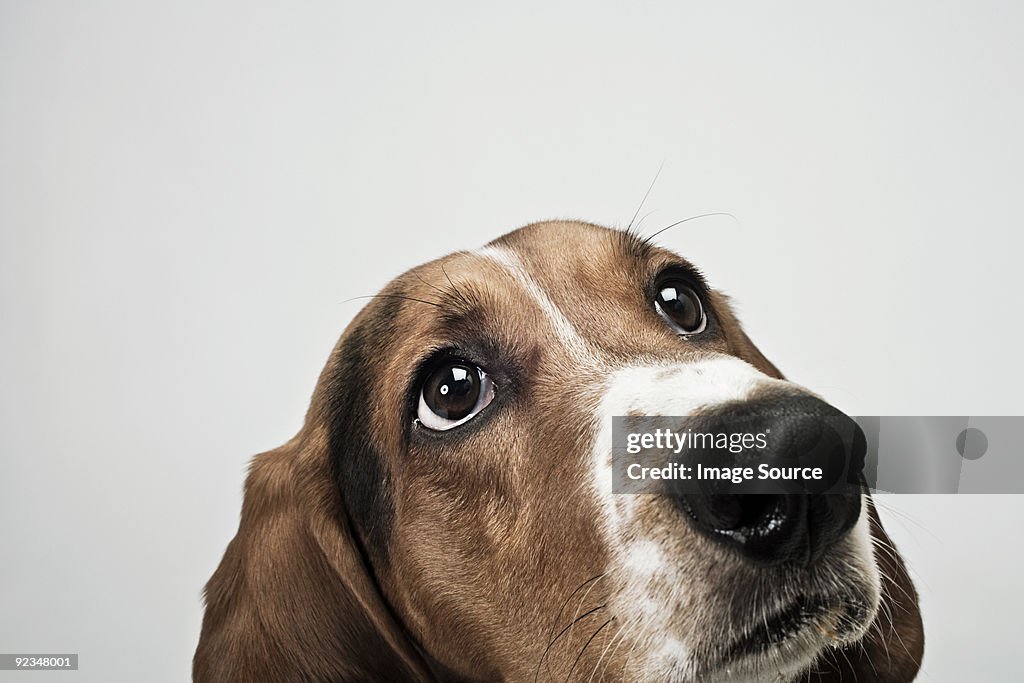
[[769, 528], [761, 510], [725, 512], [731, 512]]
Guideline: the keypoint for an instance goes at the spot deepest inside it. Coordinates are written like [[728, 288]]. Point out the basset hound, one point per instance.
[[446, 512]]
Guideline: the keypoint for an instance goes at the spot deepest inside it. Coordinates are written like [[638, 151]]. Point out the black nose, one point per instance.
[[782, 527]]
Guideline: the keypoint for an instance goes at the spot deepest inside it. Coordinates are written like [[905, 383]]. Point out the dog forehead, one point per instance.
[[566, 291], [552, 250], [593, 286], [546, 284], [552, 254]]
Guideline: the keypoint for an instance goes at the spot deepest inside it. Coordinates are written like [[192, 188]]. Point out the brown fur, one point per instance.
[[455, 559]]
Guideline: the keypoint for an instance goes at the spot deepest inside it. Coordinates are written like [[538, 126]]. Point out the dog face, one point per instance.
[[457, 458]]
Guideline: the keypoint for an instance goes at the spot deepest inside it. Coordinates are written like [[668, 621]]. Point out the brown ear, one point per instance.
[[891, 651], [292, 600]]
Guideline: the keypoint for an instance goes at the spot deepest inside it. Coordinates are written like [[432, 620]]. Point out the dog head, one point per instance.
[[447, 511]]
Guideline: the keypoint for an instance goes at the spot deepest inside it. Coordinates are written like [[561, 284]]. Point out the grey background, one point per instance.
[[189, 192]]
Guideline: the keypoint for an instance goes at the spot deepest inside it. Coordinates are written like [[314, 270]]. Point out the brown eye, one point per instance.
[[680, 306], [452, 394]]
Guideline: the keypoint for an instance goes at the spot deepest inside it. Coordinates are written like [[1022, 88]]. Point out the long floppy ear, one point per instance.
[[891, 651], [292, 600]]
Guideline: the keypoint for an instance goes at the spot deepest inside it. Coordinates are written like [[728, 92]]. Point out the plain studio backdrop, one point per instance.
[[191, 194]]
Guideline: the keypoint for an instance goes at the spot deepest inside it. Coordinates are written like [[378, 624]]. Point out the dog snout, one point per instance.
[[784, 527]]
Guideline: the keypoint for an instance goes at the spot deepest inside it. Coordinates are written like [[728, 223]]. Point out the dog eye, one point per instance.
[[453, 394], [679, 306]]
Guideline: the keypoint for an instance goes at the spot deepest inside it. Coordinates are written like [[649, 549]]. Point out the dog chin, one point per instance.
[[790, 651], [781, 647], [778, 662], [783, 663], [780, 640]]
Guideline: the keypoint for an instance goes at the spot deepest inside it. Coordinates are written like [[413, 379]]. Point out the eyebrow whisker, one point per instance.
[[458, 293], [649, 188], [640, 222], [394, 296], [432, 285], [648, 240]]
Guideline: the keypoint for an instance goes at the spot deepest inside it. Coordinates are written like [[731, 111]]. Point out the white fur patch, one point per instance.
[[577, 346], [662, 390], [657, 390], [864, 547], [643, 558], [682, 389]]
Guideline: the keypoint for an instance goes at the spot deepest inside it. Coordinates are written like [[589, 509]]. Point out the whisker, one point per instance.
[[623, 634], [869, 658], [604, 652], [647, 240], [583, 599], [649, 188], [394, 296], [585, 646], [431, 285], [578, 589], [458, 293], [640, 223], [904, 517], [561, 633]]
